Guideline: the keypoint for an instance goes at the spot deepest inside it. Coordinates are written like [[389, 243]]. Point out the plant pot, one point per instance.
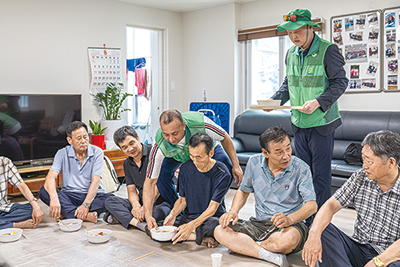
[[112, 126], [98, 140]]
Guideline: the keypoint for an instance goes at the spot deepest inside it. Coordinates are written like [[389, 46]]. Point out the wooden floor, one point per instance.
[[48, 246]]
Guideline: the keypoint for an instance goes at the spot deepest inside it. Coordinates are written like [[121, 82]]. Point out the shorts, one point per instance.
[[255, 229]]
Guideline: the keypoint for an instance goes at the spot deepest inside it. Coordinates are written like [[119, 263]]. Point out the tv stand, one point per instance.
[[34, 177], [116, 156]]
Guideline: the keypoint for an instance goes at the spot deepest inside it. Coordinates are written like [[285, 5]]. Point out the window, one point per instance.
[[263, 53], [265, 67]]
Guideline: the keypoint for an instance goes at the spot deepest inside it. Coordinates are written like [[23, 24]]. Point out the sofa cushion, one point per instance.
[[341, 168], [244, 157]]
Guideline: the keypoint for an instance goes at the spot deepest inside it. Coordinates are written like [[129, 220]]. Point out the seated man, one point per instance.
[[171, 150], [16, 215], [284, 196], [130, 211], [374, 192], [82, 194], [203, 183]]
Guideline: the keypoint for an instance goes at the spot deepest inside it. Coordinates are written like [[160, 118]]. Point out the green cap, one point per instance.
[[300, 22]]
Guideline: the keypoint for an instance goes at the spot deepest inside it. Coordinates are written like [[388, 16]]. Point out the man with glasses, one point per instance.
[[284, 197], [374, 192], [315, 79]]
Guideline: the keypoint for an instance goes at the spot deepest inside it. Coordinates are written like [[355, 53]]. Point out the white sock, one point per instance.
[[276, 258]]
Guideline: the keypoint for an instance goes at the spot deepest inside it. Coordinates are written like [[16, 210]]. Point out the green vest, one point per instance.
[[194, 124], [309, 84]]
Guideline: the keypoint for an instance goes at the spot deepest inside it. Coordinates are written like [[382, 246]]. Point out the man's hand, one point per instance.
[[237, 174], [312, 250], [151, 222], [169, 220], [310, 106], [37, 213], [81, 212], [55, 209], [281, 220], [138, 213], [371, 263], [227, 217], [184, 232]]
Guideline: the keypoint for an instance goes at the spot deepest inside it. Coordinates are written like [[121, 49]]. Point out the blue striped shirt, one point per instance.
[[286, 193]]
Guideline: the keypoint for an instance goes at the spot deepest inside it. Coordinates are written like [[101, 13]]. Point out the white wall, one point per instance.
[[209, 51], [268, 12], [44, 44]]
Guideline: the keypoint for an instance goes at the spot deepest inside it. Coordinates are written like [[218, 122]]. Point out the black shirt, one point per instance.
[[135, 175]]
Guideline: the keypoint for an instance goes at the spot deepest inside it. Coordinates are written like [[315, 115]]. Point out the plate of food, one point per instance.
[[70, 225], [10, 234], [98, 235], [163, 233]]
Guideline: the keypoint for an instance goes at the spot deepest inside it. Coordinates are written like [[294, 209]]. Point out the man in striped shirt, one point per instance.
[[171, 150], [374, 191], [16, 215]]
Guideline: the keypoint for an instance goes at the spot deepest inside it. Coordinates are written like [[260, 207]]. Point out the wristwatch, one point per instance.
[[378, 262], [33, 199], [86, 204]]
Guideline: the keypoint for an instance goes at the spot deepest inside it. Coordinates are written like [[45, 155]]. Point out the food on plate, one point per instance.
[[12, 233], [163, 231]]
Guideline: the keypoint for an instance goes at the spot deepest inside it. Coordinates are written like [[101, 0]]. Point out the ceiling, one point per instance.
[[182, 5]]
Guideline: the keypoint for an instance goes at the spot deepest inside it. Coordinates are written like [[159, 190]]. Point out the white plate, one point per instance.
[[72, 225], [92, 238], [163, 236], [269, 102], [10, 238]]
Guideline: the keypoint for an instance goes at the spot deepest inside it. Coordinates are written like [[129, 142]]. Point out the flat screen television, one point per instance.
[[32, 127]]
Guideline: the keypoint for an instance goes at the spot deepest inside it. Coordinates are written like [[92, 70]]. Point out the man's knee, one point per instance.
[[221, 232], [110, 202], [284, 241]]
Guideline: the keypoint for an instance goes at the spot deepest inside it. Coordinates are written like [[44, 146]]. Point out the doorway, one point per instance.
[[144, 45]]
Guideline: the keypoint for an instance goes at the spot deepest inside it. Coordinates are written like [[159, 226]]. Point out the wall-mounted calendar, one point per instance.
[[105, 65]]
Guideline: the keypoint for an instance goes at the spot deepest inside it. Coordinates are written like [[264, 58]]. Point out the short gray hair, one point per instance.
[[384, 144]]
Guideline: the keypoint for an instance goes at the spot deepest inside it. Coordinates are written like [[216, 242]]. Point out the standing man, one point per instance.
[[16, 215], [203, 183], [82, 194], [284, 197], [130, 211], [315, 79], [171, 150], [374, 192]]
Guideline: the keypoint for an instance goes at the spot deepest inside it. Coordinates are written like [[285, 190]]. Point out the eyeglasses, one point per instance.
[[293, 18]]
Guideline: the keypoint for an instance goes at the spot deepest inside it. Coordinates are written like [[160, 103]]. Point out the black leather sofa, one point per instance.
[[355, 126]]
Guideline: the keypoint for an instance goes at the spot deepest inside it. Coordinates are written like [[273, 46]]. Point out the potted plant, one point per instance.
[[111, 101], [97, 137]]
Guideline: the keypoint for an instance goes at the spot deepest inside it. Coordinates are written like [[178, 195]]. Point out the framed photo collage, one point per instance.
[[368, 43]]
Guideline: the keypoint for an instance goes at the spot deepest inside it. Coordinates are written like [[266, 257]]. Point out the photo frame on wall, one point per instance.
[[358, 37], [391, 44]]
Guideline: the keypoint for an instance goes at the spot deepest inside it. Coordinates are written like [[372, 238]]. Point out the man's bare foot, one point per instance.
[[210, 242], [28, 224], [92, 217]]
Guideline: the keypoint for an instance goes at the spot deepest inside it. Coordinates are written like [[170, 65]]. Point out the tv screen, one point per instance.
[[32, 127]]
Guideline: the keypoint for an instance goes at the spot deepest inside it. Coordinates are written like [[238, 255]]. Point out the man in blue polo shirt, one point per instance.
[[284, 197], [82, 194]]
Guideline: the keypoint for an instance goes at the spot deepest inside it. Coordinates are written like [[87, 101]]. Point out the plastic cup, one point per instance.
[[216, 259]]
